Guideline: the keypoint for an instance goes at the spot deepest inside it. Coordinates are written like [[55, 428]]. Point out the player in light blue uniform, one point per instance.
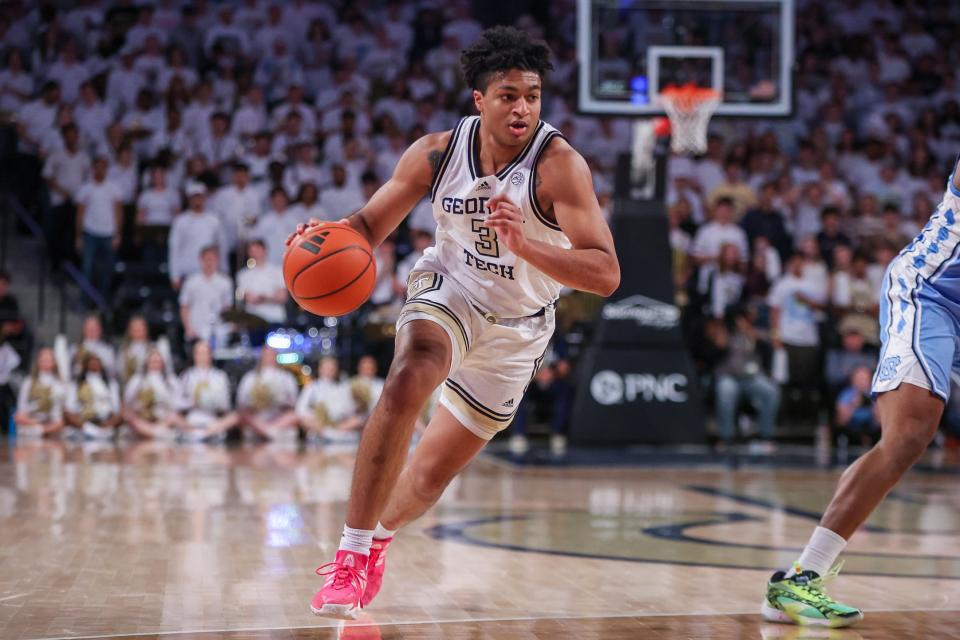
[[919, 329]]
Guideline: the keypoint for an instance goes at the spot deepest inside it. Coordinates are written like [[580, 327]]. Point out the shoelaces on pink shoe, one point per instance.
[[343, 575]]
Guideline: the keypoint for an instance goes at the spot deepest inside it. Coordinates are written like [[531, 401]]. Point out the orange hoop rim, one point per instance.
[[689, 96]]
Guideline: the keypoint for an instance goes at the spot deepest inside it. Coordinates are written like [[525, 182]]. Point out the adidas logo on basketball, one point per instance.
[[484, 186]]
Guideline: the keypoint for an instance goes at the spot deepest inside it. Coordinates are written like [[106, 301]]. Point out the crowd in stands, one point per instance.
[[193, 137]]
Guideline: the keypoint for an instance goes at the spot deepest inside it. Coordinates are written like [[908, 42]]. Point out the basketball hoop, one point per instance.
[[689, 108]]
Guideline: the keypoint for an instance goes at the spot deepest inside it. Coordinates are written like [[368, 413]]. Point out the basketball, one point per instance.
[[329, 269]]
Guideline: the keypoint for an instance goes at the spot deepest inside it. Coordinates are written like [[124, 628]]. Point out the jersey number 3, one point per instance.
[[487, 245]]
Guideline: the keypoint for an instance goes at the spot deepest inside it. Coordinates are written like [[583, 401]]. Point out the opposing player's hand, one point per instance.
[[507, 220]]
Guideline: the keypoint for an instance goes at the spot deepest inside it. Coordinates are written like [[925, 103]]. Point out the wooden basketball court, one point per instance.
[[148, 540]]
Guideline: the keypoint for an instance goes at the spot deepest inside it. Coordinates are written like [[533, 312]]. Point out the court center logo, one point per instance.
[[607, 387], [646, 312]]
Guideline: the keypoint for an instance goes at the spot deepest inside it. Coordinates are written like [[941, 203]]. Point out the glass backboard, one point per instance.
[[630, 49]]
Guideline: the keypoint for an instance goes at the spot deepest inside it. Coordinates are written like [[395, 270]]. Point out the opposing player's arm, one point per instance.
[[955, 178], [411, 180], [566, 187]]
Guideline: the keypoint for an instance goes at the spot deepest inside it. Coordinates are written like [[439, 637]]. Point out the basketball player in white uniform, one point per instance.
[[517, 219]]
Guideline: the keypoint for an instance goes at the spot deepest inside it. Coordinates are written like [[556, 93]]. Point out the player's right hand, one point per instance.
[[312, 222]]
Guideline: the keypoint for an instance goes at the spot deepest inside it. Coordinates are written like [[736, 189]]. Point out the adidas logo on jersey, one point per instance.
[[484, 186], [509, 403]]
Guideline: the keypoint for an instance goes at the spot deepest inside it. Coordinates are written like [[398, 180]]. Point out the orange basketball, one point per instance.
[[329, 269]]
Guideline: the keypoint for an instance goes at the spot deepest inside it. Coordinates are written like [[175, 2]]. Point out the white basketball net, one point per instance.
[[689, 109]]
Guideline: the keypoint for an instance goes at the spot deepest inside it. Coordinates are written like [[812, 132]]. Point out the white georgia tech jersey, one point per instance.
[[468, 252]]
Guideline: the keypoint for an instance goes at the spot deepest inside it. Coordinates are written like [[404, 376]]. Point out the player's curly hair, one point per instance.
[[500, 49]]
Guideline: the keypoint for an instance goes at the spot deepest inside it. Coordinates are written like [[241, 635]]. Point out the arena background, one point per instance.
[[723, 386]]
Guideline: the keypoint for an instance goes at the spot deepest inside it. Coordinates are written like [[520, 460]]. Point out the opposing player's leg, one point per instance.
[[446, 448], [421, 361]]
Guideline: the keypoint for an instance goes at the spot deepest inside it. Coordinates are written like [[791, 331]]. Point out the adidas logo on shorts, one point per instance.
[[508, 403]]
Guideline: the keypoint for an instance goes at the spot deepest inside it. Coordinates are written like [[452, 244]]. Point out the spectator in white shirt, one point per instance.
[[251, 117], [124, 173], [795, 301], [99, 226], [69, 72], [260, 157], [151, 62], [191, 231], [266, 398], [205, 295], [217, 144], [150, 400], [341, 197], [124, 82], [196, 117], [16, 85], [290, 136], [93, 401], [295, 102], [40, 399], [304, 170], [237, 206], [308, 204], [92, 116], [719, 231], [157, 205], [145, 26], [260, 285], [225, 35], [278, 70], [276, 225], [37, 117], [420, 239], [176, 67], [173, 138], [65, 171]]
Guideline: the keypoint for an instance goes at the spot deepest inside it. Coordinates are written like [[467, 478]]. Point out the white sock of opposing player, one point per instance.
[[821, 552], [382, 533], [357, 540]]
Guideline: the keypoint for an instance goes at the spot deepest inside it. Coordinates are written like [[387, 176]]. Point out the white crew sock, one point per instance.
[[357, 540], [821, 552], [382, 533]]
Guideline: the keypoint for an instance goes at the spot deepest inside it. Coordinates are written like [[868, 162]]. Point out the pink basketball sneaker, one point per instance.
[[375, 568], [341, 593]]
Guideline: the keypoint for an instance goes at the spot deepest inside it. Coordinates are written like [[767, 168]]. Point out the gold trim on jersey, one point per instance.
[[469, 409], [446, 317]]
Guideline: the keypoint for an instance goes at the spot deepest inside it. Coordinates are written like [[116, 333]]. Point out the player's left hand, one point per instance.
[[507, 220]]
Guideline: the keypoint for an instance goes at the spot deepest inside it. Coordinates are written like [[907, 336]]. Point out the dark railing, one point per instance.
[[12, 209]]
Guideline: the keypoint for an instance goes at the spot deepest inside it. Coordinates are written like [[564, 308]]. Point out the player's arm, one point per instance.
[[566, 187], [411, 180]]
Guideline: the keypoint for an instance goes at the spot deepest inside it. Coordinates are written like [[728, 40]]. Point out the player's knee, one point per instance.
[[428, 483], [415, 373], [910, 442]]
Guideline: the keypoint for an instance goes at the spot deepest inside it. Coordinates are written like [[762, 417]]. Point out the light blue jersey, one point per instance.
[[920, 306]]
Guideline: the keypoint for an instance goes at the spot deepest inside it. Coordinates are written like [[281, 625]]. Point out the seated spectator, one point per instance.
[[41, 399], [204, 402], [260, 285], [854, 297], [738, 374], [304, 169], [342, 196], [325, 402], [149, 400], [794, 304], [724, 282], [9, 362], [266, 398], [387, 289], [93, 401], [192, 231], [851, 355], [719, 231], [276, 225], [831, 235], [855, 413], [203, 298], [549, 399], [70, 362]]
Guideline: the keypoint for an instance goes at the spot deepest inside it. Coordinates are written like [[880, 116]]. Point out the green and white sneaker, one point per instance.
[[801, 599]]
